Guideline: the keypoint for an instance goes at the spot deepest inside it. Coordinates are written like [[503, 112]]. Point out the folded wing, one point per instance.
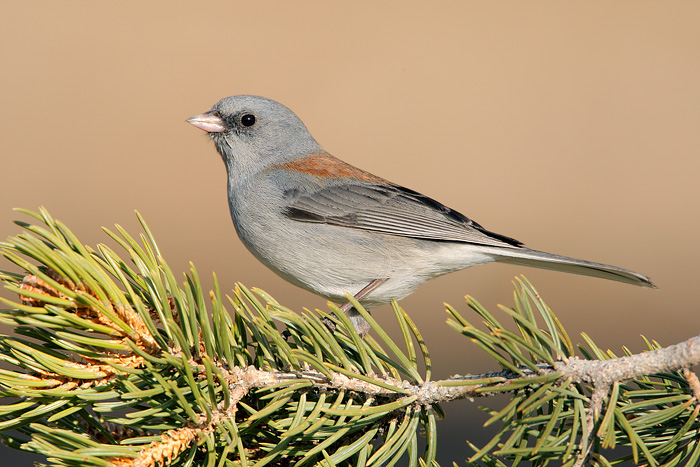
[[393, 210]]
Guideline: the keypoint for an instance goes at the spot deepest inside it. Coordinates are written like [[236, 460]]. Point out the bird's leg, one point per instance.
[[364, 292], [358, 322]]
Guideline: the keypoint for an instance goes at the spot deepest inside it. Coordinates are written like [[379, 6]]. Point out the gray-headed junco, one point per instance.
[[332, 228]]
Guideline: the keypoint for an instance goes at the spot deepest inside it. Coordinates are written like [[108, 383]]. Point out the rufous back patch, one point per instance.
[[324, 165]]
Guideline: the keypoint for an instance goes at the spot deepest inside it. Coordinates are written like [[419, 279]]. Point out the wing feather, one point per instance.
[[393, 210]]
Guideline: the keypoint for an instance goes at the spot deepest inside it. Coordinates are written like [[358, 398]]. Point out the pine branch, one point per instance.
[[120, 364], [607, 372]]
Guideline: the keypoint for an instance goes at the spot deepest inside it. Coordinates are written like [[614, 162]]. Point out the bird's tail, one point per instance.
[[540, 259]]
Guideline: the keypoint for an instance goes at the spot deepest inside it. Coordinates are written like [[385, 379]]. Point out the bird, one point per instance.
[[332, 228]]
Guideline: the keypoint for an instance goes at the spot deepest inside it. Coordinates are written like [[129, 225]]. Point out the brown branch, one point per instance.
[[600, 393], [600, 373], [693, 382], [605, 372], [241, 380]]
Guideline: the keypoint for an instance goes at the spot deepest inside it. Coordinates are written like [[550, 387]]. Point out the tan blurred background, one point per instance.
[[571, 127]]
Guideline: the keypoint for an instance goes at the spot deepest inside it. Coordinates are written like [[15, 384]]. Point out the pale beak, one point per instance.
[[208, 122]]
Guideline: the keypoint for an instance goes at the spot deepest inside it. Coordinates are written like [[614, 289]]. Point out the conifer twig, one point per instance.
[[605, 372], [694, 383]]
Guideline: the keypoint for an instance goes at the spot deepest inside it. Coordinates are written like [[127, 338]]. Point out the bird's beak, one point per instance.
[[207, 122]]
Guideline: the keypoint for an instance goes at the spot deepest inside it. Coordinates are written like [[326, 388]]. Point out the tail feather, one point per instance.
[[540, 259]]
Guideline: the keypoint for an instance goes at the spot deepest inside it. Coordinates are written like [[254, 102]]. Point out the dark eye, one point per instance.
[[248, 120]]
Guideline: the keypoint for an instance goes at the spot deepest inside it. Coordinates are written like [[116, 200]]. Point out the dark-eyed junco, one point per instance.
[[332, 228]]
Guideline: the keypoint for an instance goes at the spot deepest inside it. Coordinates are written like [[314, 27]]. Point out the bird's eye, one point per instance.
[[248, 120]]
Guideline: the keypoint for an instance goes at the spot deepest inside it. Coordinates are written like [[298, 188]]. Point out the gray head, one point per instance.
[[251, 132]]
